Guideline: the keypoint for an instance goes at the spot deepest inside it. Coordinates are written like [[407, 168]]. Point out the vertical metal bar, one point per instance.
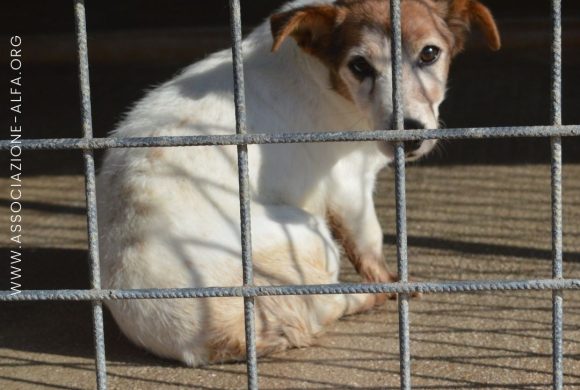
[[244, 193], [556, 145], [85, 93], [400, 195], [402, 266], [397, 65]]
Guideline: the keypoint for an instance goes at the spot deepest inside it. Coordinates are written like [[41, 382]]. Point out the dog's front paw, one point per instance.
[[393, 296], [381, 275], [376, 272]]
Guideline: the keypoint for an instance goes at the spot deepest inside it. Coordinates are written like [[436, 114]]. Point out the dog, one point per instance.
[[169, 217]]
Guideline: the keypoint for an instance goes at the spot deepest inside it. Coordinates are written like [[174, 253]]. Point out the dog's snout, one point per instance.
[[413, 124], [412, 146]]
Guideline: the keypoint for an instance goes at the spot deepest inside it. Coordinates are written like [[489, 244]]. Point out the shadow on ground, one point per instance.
[[465, 223]]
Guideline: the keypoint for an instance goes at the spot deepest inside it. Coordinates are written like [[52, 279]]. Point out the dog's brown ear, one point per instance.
[[462, 13], [310, 26], [484, 19]]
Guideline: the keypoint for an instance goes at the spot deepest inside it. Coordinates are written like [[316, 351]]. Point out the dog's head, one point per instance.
[[352, 38]]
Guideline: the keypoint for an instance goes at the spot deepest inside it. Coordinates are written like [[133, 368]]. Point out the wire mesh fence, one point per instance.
[[87, 144]]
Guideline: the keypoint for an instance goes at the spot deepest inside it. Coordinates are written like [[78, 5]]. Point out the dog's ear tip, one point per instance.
[[494, 44], [304, 24], [494, 41], [482, 16], [276, 45]]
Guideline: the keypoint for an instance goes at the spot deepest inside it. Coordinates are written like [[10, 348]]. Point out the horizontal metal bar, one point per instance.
[[257, 291], [283, 138]]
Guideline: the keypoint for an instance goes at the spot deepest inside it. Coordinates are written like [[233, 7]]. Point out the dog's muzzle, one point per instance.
[[411, 147]]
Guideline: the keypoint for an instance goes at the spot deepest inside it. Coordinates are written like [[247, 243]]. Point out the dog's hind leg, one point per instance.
[[290, 248]]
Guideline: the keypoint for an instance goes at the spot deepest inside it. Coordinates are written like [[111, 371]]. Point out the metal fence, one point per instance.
[[248, 291]]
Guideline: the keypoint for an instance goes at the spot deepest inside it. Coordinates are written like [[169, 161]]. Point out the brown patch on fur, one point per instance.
[[482, 16], [371, 267], [310, 26], [142, 208], [459, 16], [282, 322], [154, 154], [288, 315], [328, 31], [344, 237], [126, 191], [131, 198], [338, 84], [427, 19], [226, 340], [286, 264]]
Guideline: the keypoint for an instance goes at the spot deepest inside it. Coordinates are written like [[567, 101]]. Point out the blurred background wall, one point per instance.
[[136, 44]]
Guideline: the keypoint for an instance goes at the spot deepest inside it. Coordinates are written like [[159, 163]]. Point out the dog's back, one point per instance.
[[169, 217]]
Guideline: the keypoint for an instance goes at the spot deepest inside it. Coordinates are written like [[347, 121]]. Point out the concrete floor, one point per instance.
[[465, 223]]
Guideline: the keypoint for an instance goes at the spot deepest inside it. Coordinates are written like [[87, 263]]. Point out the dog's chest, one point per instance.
[[308, 176]]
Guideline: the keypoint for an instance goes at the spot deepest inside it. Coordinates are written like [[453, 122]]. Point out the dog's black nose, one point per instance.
[[412, 146], [413, 124]]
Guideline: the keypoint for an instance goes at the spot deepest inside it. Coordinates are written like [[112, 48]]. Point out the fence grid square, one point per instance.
[[87, 144]]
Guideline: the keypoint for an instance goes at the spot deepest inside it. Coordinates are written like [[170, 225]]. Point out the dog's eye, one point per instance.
[[361, 68], [429, 55]]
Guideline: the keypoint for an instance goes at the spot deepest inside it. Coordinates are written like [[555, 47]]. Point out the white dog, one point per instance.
[[169, 217]]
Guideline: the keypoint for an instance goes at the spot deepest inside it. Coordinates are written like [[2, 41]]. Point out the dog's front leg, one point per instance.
[[355, 225]]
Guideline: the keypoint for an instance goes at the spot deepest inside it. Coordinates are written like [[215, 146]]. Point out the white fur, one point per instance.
[[169, 217]]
